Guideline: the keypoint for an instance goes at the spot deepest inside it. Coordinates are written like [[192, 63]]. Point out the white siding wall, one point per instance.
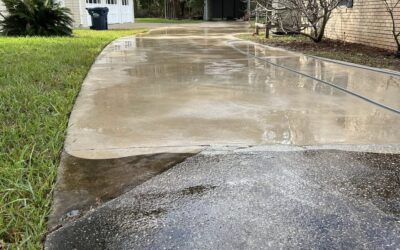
[[117, 11], [73, 5], [77, 7]]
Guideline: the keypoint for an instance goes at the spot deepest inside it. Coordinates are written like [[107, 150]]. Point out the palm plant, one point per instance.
[[35, 18]]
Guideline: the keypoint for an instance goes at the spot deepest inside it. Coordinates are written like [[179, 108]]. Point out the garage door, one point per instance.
[[227, 9], [120, 11]]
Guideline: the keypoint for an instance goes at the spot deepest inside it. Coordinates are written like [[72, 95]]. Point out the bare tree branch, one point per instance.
[[390, 9], [306, 17]]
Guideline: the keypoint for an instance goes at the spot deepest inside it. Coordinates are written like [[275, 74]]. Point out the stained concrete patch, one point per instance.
[[293, 199], [84, 184]]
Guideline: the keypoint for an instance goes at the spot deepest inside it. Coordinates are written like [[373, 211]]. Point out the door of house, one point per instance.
[[217, 9], [126, 10], [113, 6], [227, 9]]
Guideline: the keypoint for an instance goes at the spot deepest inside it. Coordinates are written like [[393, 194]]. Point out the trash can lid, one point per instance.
[[98, 8]]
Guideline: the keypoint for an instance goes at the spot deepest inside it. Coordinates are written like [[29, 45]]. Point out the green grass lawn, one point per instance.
[[332, 49], [39, 80], [163, 20]]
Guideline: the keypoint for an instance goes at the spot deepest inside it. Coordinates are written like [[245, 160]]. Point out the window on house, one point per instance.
[[125, 2], [111, 1], [93, 1], [346, 3]]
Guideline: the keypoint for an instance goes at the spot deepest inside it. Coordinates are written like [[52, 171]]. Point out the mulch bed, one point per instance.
[[334, 49]]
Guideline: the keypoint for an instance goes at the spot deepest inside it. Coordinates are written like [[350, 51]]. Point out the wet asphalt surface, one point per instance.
[[311, 199]]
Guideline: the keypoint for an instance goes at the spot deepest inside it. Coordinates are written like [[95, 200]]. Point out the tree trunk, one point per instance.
[[320, 35], [321, 31], [314, 36], [256, 23], [268, 16]]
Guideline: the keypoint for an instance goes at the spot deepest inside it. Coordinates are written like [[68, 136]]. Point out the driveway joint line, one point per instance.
[[317, 79]]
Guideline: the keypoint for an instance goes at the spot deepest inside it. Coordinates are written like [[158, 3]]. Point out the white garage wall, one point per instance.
[[76, 8], [120, 11]]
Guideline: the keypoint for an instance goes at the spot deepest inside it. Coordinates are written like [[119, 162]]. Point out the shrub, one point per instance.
[[36, 18]]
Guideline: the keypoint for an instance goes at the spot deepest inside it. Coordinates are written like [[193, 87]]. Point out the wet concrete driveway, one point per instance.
[[189, 138], [182, 88]]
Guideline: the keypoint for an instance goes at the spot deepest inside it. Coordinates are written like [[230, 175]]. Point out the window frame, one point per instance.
[[111, 2], [346, 4]]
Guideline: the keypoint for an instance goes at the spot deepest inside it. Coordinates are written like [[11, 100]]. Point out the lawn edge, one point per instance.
[[48, 230]]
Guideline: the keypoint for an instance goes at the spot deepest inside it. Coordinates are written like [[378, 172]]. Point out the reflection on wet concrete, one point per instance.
[[380, 87], [186, 87], [84, 184], [313, 199]]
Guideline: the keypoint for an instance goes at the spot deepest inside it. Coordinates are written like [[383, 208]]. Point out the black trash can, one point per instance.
[[99, 18]]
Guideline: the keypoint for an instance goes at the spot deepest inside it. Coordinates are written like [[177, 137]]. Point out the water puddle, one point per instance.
[[86, 183]]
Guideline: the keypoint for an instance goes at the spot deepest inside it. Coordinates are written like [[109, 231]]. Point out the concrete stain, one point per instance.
[[197, 189], [86, 183], [184, 193]]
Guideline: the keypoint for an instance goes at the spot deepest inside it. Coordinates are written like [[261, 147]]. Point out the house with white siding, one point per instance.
[[120, 11]]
